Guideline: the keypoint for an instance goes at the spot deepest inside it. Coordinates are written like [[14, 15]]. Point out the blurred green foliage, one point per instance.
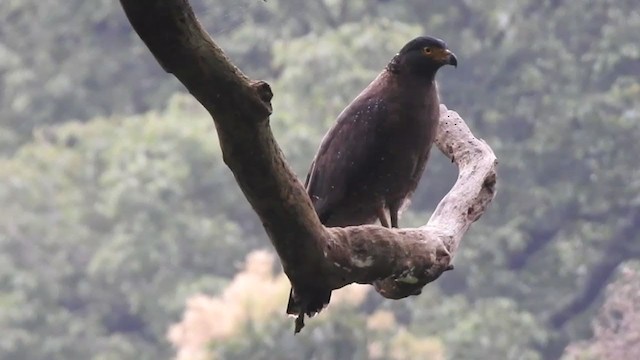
[[107, 227], [616, 327], [117, 207]]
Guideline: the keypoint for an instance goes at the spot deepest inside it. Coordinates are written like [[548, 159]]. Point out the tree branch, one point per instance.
[[399, 261]]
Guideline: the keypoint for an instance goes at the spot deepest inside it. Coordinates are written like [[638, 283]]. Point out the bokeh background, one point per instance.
[[124, 236]]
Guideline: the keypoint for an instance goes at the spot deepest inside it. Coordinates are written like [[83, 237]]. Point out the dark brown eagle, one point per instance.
[[371, 160]]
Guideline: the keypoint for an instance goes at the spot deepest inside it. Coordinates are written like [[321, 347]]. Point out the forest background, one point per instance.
[[124, 236]]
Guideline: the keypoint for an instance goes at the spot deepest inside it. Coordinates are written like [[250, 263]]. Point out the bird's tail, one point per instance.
[[307, 302]]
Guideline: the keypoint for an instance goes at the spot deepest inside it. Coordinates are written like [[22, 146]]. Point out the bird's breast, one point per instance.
[[414, 116], [407, 136]]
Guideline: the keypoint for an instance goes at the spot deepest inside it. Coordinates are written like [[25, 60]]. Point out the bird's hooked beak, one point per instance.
[[450, 58]]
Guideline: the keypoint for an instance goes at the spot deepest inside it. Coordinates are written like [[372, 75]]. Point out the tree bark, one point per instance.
[[398, 261]]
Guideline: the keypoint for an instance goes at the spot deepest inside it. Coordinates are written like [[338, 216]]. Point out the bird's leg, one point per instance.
[[394, 218], [382, 216], [394, 208]]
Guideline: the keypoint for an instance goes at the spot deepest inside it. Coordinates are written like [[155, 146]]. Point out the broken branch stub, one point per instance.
[[399, 262]]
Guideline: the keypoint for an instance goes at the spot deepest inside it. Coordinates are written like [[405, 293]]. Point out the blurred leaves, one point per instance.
[[115, 228], [245, 322], [617, 326], [117, 208]]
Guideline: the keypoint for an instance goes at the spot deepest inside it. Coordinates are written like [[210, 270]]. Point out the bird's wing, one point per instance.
[[346, 154]]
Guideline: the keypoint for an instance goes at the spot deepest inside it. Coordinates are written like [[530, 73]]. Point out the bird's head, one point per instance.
[[423, 56]]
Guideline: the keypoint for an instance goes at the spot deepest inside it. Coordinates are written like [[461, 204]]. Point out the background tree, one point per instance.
[[550, 85], [106, 231], [616, 327]]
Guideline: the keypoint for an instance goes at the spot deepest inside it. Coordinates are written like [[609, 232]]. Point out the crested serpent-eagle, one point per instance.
[[370, 162]]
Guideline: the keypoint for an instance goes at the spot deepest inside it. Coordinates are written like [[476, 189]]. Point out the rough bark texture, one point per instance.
[[398, 261]]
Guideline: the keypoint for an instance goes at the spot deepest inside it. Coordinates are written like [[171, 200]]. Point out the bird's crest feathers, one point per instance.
[[394, 64]]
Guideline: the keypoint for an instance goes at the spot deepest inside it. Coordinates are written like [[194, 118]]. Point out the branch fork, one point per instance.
[[398, 262]]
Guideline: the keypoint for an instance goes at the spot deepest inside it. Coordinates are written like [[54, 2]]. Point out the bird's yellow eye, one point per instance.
[[427, 50]]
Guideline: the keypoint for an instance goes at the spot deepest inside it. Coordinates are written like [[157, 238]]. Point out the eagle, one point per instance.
[[371, 161]]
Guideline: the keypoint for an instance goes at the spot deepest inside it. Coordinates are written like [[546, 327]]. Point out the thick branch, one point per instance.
[[465, 202], [475, 187], [240, 109], [399, 261]]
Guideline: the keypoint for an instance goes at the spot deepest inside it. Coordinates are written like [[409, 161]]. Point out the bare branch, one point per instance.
[[398, 261], [462, 206]]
